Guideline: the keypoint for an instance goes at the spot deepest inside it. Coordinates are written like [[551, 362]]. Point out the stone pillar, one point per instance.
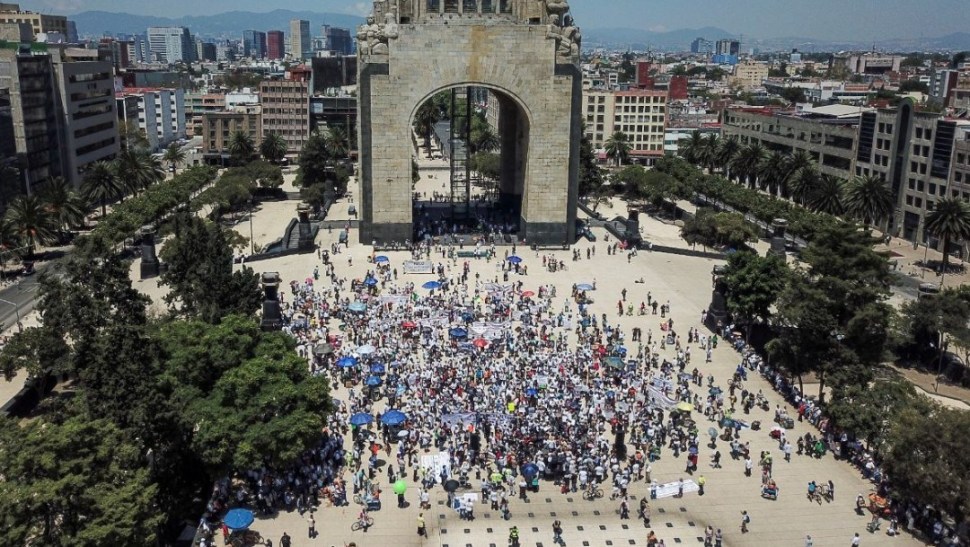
[[272, 315], [778, 243], [306, 231], [150, 266], [717, 311], [633, 227]]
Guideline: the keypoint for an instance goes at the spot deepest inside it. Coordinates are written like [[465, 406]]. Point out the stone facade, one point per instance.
[[522, 54]]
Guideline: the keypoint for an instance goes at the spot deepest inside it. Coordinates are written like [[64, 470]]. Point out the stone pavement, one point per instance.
[[686, 283]]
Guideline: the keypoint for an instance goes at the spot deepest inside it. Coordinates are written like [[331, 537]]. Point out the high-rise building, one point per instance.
[[39, 23], [170, 45], [205, 51], [285, 111], [275, 45], [254, 44], [701, 45], [161, 114], [727, 47], [332, 72], [300, 46], [337, 40], [87, 106]]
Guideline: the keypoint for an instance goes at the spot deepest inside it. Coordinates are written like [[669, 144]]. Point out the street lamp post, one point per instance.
[[252, 244]]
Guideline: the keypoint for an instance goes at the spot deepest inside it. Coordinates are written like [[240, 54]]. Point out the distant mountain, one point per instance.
[[642, 40], [233, 23]]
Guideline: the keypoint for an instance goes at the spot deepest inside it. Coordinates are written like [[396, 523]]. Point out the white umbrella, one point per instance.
[[366, 349]]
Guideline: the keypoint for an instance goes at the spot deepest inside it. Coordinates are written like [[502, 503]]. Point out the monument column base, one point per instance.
[[385, 233], [546, 233]]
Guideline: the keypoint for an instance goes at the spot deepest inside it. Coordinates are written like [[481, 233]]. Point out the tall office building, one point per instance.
[[701, 45], [170, 45], [286, 110], [254, 44], [337, 40], [275, 45], [300, 46], [727, 47]]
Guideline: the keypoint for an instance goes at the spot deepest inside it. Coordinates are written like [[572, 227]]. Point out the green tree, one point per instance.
[[772, 172], [618, 148], [11, 184], [868, 410], [868, 198], [337, 143], [728, 150], [318, 163], [80, 482], [200, 277], [273, 148], [137, 171], [692, 148], [425, 118], [949, 221], [264, 174], [174, 156], [484, 139], [826, 195], [133, 138], [31, 221], [101, 185], [747, 163], [753, 285], [241, 147], [590, 174], [927, 455], [63, 204]]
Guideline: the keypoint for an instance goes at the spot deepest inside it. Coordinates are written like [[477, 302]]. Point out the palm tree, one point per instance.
[[336, 142], [801, 183], [101, 185], [868, 198], [62, 203], [772, 171], [241, 147], [30, 220], [826, 196], [273, 147], [709, 152], [486, 140], [137, 170], [424, 121], [799, 160], [692, 147], [726, 152], [747, 163], [950, 221], [618, 147], [174, 155]]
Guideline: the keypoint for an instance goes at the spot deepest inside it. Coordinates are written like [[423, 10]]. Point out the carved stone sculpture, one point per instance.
[[559, 8], [567, 37], [373, 37]]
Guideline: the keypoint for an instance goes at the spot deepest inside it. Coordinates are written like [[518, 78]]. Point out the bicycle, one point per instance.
[[363, 523], [591, 494]]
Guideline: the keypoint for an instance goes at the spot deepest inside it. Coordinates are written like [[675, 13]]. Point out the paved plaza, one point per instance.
[[686, 283]]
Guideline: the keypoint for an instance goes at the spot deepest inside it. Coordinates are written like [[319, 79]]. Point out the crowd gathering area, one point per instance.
[[507, 395]]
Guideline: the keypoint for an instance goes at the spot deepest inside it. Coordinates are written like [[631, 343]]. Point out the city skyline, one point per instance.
[[857, 20]]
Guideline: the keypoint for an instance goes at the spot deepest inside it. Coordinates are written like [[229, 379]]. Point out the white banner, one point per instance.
[[418, 267]]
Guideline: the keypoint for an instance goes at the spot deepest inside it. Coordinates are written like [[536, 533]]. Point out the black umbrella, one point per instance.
[[450, 485], [322, 349]]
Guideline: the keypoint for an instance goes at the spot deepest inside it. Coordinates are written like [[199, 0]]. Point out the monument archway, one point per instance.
[[464, 195], [525, 51]]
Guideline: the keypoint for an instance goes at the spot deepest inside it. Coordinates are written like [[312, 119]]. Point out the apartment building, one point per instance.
[[639, 113], [198, 104], [218, 128], [918, 154], [39, 22], [87, 105], [285, 110], [750, 74], [161, 114], [827, 133]]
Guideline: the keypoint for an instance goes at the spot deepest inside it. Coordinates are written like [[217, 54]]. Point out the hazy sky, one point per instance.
[[863, 20]]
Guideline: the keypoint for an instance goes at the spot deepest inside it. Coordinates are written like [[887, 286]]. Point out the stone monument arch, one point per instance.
[[525, 52]]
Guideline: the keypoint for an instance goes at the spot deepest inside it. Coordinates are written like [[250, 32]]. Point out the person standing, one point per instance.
[[745, 519], [285, 540], [748, 465], [422, 526], [557, 532], [701, 481], [808, 541], [311, 527], [856, 541]]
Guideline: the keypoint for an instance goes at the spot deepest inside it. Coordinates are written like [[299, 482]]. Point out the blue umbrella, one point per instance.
[[357, 307], [381, 259], [530, 470], [378, 368], [370, 281], [238, 519], [373, 381], [361, 418], [584, 287], [431, 285], [393, 417], [347, 361], [621, 350], [514, 259], [531, 392], [458, 332]]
